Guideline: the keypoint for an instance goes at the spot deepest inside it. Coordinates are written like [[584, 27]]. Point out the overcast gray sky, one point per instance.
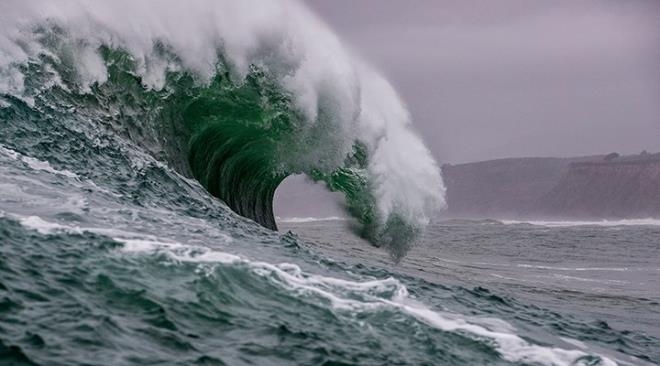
[[497, 78], [486, 79]]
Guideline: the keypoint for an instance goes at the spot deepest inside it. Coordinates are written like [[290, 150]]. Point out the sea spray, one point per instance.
[[232, 94]]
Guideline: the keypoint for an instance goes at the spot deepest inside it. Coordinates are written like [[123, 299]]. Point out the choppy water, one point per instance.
[[111, 254], [150, 269], [604, 273]]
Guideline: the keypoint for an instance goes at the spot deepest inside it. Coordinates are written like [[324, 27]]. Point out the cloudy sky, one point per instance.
[[487, 79]]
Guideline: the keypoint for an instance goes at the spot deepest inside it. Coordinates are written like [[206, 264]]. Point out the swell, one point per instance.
[[239, 108]]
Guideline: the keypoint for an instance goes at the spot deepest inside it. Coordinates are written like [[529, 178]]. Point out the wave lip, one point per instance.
[[257, 96]]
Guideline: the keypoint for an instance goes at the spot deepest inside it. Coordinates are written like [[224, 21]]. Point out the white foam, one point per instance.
[[177, 251], [604, 223], [134, 240], [577, 269], [342, 98], [354, 296], [512, 347], [341, 294], [9, 153], [582, 279], [45, 227], [36, 164]]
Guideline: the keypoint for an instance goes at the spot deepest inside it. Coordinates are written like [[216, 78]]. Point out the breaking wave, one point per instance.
[[238, 95]]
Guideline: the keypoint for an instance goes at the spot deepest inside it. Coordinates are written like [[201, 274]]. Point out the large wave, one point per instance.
[[238, 94]]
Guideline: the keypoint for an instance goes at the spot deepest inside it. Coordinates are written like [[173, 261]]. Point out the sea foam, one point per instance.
[[281, 37]]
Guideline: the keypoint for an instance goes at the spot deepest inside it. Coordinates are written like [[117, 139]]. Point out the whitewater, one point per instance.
[[259, 99], [141, 146]]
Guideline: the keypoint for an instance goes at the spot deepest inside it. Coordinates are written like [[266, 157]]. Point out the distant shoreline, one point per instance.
[[597, 187]]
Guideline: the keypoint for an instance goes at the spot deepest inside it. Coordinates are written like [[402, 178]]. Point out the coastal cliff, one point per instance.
[[616, 189], [585, 187]]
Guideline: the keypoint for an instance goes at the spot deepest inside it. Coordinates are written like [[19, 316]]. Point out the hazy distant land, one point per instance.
[[593, 187]]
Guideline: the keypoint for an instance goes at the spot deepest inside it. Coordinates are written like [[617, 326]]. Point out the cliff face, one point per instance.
[[615, 189], [585, 187], [506, 187]]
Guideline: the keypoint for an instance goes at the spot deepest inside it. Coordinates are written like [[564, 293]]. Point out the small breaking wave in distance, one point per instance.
[[604, 223]]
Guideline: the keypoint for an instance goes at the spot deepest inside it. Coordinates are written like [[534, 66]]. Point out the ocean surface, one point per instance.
[[133, 134], [593, 284], [151, 269]]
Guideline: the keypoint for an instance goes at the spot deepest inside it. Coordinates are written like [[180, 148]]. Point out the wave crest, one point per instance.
[[237, 94]]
